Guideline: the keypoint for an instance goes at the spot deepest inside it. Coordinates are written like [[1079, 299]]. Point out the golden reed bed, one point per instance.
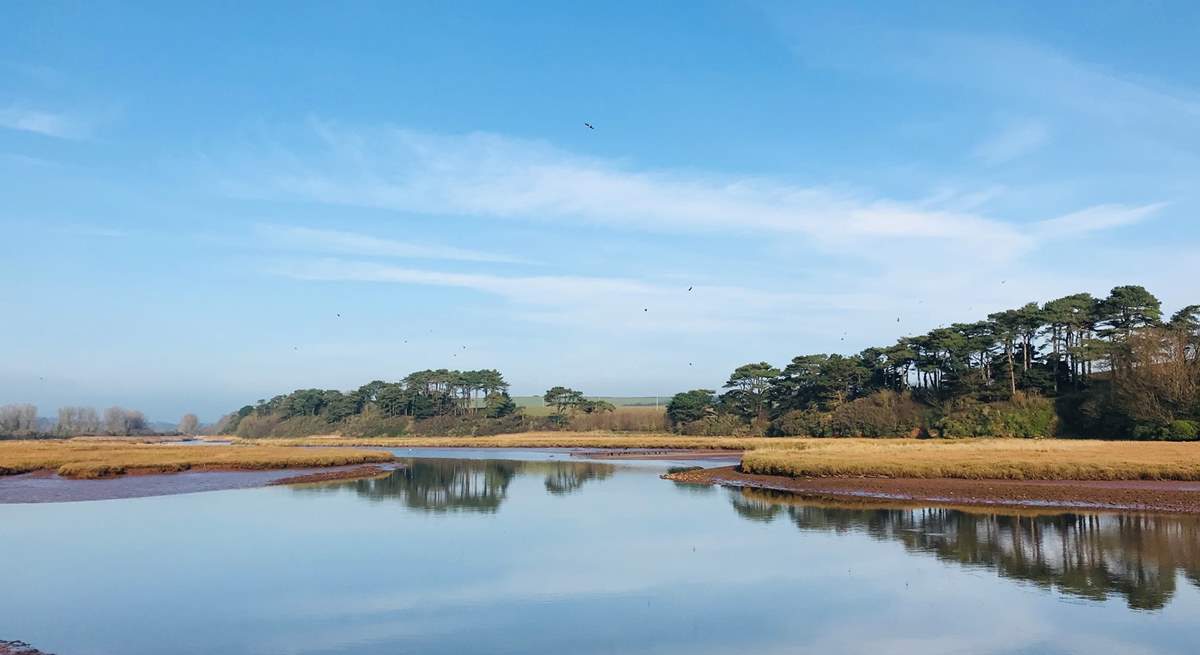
[[1007, 459], [98, 459], [999, 459]]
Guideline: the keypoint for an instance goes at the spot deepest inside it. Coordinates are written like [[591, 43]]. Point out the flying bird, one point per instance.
[[645, 309], [339, 315], [689, 288], [589, 126]]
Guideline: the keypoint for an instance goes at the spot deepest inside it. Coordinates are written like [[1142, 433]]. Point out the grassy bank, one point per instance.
[[77, 459], [1001, 459], [1006, 459]]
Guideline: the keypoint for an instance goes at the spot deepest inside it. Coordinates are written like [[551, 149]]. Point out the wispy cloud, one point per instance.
[[41, 122], [602, 302], [1037, 73], [352, 243], [1016, 140], [1094, 219], [493, 176]]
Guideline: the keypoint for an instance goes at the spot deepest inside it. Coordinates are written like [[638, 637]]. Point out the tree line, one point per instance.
[[419, 395], [441, 401], [1080, 365], [21, 420]]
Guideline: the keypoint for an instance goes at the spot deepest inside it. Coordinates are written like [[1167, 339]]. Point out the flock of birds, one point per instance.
[[644, 309]]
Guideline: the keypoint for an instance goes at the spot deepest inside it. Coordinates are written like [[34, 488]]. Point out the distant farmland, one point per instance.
[[533, 405]]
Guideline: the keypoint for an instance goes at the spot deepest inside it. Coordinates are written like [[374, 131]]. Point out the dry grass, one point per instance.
[[1001, 459], [98, 459], [1006, 459], [623, 419]]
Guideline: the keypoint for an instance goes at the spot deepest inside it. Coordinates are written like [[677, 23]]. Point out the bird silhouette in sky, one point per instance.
[[589, 126], [689, 288], [339, 315], [645, 309]]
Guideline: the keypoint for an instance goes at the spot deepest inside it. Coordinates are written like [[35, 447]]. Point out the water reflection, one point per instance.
[[1138, 557], [464, 485]]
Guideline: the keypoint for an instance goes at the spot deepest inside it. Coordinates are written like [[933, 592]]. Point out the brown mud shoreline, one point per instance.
[[357, 473], [46, 486], [1083, 495]]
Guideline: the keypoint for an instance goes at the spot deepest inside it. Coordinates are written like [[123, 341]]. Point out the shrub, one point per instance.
[[1181, 429], [1024, 416], [882, 414], [716, 426], [254, 426], [1177, 430], [374, 424], [469, 426], [802, 423]]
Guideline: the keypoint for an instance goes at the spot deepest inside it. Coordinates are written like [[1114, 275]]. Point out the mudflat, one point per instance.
[[1172, 496], [48, 487]]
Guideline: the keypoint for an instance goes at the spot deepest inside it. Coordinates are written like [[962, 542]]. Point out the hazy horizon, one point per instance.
[[191, 201]]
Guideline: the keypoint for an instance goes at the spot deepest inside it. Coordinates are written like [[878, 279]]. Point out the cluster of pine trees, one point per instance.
[[1077, 365], [419, 395]]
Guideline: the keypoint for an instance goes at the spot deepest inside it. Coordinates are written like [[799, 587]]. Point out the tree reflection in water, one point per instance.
[[1138, 557], [462, 485]]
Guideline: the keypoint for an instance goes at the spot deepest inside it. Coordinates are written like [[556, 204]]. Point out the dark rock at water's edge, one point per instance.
[[18, 648]]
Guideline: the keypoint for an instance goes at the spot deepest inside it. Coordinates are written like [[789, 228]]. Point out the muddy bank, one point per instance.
[[19, 648], [49, 487], [657, 454], [357, 473], [1132, 495]]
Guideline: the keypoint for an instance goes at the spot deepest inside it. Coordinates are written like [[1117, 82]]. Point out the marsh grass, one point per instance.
[[1003, 459], [998, 459], [99, 459]]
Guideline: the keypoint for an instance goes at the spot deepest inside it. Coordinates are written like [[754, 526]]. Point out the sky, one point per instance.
[[207, 205]]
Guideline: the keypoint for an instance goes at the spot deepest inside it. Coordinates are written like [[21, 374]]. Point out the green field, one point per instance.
[[534, 406]]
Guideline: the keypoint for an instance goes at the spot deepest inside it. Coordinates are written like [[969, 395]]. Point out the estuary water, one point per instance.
[[537, 552]]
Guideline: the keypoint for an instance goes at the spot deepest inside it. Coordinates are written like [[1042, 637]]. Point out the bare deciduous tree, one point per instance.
[[189, 424], [121, 421], [77, 420], [18, 419]]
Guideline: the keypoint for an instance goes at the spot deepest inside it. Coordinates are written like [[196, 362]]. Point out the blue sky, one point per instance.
[[190, 195]]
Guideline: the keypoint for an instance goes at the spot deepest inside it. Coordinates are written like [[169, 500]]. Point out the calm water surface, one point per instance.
[[538, 553]]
